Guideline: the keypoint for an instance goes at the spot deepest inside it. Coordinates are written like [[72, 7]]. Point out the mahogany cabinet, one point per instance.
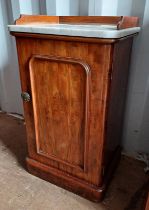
[[74, 74]]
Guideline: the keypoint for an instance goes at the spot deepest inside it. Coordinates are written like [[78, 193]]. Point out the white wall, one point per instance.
[[9, 79], [136, 131], [136, 128]]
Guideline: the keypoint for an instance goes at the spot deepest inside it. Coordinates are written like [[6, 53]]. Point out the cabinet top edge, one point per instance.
[[107, 27], [85, 30]]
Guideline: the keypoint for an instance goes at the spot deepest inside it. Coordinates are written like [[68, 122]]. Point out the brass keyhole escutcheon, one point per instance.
[[25, 96]]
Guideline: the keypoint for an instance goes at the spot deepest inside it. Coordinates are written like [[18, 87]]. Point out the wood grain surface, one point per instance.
[[60, 106], [36, 19]]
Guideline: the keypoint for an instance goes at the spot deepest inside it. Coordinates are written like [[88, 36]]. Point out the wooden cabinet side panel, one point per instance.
[[117, 97], [97, 56]]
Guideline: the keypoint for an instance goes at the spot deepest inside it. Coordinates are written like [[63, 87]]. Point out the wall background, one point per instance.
[[136, 125]]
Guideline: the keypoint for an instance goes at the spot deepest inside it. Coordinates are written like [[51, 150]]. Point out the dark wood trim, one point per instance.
[[71, 38], [65, 38]]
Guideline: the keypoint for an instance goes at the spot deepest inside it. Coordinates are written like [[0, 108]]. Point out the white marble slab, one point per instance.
[[96, 31]]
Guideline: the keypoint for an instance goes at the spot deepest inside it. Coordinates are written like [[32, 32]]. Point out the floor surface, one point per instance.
[[21, 191]]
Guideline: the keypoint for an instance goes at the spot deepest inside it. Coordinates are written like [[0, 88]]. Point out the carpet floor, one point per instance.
[[19, 190]]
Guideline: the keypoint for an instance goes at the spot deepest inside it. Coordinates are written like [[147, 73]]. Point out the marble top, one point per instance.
[[85, 30]]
